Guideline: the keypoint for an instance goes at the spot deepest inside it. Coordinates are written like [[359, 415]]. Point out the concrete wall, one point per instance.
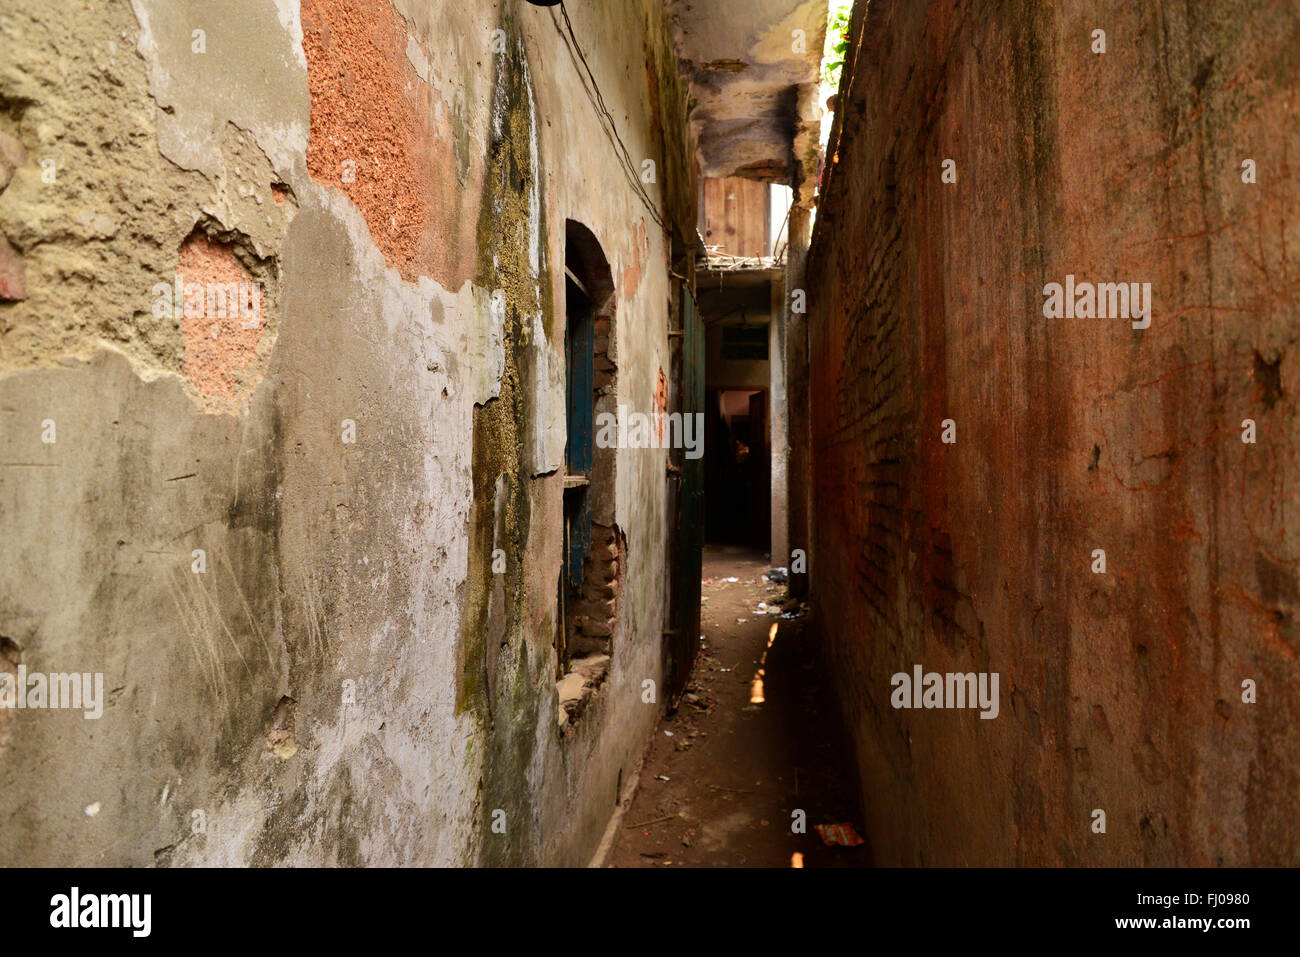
[[343, 678], [797, 377], [734, 298], [1120, 691], [733, 373]]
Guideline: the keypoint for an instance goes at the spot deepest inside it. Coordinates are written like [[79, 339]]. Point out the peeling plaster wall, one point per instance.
[[345, 681], [576, 779], [754, 70], [1119, 691]]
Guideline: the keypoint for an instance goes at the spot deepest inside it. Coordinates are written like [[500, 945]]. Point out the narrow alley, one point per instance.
[[755, 740], [647, 435]]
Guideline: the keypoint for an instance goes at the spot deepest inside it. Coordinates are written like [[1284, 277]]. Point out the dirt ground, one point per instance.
[[726, 772]]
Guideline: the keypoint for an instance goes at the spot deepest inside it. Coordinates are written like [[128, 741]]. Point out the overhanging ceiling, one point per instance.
[[753, 67]]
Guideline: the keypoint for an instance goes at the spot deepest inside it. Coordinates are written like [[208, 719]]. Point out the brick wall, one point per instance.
[[1120, 691]]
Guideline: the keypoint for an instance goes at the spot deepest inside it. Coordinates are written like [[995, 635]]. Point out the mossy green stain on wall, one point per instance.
[[496, 677]]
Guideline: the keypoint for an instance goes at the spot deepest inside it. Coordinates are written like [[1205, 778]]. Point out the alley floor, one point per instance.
[[755, 738]]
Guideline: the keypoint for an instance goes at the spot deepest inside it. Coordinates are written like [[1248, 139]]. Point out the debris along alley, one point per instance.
[[750, 769]]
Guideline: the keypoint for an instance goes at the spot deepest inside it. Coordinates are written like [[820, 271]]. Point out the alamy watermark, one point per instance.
[[1103, 300], [129, 911], [209, 300], [931, 689], [55, 690], [654, 430]]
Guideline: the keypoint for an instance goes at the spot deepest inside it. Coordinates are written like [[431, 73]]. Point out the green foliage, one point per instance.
[[837, 42]]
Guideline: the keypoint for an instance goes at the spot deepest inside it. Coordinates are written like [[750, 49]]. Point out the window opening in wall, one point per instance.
[[579, 358], [593, 560]]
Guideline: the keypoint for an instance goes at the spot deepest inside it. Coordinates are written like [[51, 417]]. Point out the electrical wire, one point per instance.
[[606, 119]]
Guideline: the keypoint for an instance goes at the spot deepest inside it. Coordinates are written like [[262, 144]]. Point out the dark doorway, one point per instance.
[[738, 475]]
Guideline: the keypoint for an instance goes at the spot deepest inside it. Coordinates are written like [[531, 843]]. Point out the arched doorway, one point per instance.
[[592, 566]]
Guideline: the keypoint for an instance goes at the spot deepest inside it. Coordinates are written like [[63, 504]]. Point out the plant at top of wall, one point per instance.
[[837, 42]]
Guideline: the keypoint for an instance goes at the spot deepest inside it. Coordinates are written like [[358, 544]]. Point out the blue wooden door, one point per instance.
[[579, 356]]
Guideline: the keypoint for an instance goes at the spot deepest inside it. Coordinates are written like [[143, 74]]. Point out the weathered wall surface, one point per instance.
[[753, 68], [1120, 691], [338, 676]]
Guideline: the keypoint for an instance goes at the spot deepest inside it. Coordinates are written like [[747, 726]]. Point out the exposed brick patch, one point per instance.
[[13, 273], [218, 351], [630, 281], [606, 380], [595, 615], [373, 135], [592, 623]]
